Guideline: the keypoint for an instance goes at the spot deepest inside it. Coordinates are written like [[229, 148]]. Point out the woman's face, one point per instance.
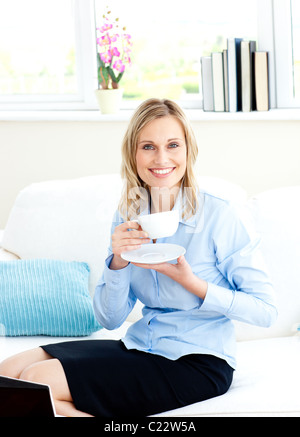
[[161, 153]]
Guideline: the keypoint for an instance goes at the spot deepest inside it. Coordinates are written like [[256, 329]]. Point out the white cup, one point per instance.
[[159, 225]]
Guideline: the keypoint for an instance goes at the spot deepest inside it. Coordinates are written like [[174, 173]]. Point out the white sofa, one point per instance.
[[70, 220]]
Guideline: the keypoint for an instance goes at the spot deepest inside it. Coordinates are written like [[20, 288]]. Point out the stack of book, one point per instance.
[[236, 79]]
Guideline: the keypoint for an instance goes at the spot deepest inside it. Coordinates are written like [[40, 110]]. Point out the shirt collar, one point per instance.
[[180, 206]]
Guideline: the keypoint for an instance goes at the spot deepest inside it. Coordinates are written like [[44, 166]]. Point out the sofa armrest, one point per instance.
[[7, 256]]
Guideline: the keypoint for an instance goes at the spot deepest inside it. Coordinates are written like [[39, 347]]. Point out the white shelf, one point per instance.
[[124, 115]]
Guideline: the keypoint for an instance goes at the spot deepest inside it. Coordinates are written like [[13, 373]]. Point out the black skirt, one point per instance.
[[107, 380]]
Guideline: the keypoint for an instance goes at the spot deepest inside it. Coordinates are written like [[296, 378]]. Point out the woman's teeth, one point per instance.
[[162, 171]]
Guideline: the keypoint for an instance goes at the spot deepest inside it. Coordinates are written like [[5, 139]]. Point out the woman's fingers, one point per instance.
[[128, 236]]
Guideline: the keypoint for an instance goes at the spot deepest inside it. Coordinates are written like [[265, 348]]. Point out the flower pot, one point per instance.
[[109, 101]]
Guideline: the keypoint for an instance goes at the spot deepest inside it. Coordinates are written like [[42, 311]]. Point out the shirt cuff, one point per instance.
[[218, 299], [116, 278]]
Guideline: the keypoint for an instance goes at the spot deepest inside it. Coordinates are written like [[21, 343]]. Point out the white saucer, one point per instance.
[[154, 253]]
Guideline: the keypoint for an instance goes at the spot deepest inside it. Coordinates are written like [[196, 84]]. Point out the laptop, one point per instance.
[[20, 398]]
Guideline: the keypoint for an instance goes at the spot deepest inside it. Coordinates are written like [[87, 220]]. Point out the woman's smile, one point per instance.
[[162, 172], [161, 153]]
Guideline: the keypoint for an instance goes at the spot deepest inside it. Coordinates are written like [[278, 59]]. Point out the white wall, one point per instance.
[[255, 154]]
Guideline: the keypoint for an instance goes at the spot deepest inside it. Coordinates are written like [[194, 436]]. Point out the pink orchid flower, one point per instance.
[[115, 52], [119, 66], [127, 59], [114, 37], [106, 57], [104, 40], [105, 27]]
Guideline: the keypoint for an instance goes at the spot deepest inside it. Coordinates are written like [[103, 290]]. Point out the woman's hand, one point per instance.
[[181, 273], [127, 236]]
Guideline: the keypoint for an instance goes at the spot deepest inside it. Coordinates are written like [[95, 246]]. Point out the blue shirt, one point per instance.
[[222, 249]]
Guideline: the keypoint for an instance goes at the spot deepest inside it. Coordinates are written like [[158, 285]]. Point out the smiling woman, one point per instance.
[[160, 160], [164, 153], [182, 349]]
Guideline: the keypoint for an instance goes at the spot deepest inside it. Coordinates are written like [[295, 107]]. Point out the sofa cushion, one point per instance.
[[222, 188], [45, 297], [276, 216], [265, 383], [68, 220]]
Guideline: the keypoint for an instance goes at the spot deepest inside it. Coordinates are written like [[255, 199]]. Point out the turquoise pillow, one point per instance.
[[45, 297]]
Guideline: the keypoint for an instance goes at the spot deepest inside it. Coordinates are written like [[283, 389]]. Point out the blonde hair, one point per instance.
[[148, 111]]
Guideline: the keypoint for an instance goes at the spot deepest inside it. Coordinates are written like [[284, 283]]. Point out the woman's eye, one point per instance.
[[173, 145], [148, 147]]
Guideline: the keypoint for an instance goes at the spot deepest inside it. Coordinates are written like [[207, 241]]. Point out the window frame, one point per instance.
[[283, 42], [274, 36]]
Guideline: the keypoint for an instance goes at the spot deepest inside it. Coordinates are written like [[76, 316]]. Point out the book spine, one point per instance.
[[261, 81], [238, 42], [252, 75], [207, 85], [218, 82], [232, 84], [246, 76], [225, 73], [236, 79], [234, 74]]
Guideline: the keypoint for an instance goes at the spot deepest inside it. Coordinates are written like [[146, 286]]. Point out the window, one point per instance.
[[169, 39], [43, 51], [48, 48], [37, 49]]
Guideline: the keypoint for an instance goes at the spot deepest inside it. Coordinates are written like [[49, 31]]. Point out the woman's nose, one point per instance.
[[161, 157]]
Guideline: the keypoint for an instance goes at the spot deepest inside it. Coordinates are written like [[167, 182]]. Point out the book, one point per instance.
[[261, 69], [247, 75], [225, 73], [207, 86], [218, 81], [234, 74]]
